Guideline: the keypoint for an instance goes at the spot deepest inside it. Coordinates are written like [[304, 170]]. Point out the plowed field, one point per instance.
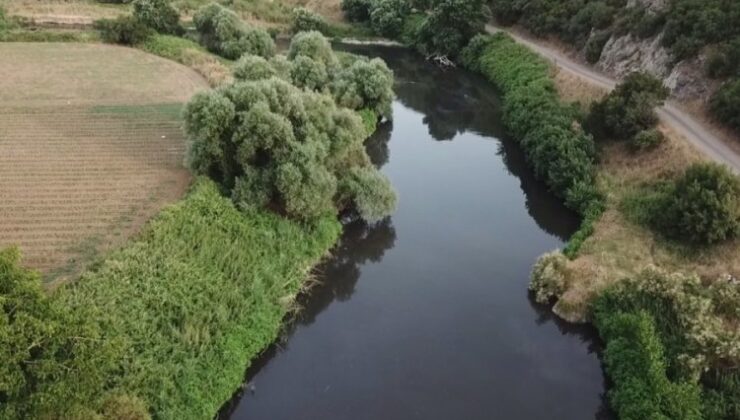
[[91, 147]]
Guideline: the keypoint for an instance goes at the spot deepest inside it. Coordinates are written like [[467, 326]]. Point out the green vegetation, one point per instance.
[[725, 104], [158, 15], [703, 206], [450, 25], [126, 30], [439, 28], [629, 109], [671, 346], [557, 148], [306, 20], [221, 31], [387, 17], [272, 144], [168, 323]]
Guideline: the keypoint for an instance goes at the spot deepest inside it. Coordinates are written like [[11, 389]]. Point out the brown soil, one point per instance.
[[91, 147]]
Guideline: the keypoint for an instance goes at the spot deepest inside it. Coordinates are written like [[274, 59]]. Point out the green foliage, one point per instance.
[[308, 73], [158, 15], [314, 45], [202, 292], [692, 24], [725, 104], [647, 139], [306, 20], [628, 109], [595, 46], [635, 362], [388, 17], [4, 24], [274, 145], [125, 30], [253, 67], [556, 147], [703, 206], [365, 84], [357, 10], [724, 60], [222, 32], [450, 25], [55, 361], [124, 407]]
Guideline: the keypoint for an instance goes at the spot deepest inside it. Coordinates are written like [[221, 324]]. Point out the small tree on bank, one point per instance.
[[703, 206], [158, 15], [451, 24]]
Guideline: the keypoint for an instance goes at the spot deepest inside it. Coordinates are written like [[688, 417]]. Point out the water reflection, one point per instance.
[[377, 145]]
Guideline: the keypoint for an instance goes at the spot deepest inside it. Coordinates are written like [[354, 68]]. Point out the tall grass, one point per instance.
[[173, 318]]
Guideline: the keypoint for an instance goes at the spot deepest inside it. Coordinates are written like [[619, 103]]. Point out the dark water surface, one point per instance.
[[426, 315]]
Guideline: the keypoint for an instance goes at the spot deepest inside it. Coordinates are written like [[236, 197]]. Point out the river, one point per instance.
[[426, 315]]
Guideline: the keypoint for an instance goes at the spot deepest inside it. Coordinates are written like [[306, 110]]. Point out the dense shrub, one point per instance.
[[158, 15], [647, 139], [628, 109], [125, 30], [357, 10], [724, 60], [222, 32], [253, 67], [387, 17], [274, 145], [43, 345], [366, 84], [314, 45], [595, 46], [725, 104], [307, 20], [634, 360], [450, 26], [308, 73], [703, 206]]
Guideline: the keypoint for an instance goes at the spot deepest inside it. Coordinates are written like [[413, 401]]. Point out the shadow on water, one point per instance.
[[440, 309]]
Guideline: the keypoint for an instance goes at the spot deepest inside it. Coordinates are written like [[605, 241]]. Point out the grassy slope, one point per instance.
[[197, 297]]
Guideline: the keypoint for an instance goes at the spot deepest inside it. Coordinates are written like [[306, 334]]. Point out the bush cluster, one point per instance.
[[273, 141], [158, 15], [357, 10], [222, 32], [450, 25], [703, 205], [725, 104], [358, 84], [307, 20], [559, 151], [388, 17], [126, 30], [629, 109], [674, 322]]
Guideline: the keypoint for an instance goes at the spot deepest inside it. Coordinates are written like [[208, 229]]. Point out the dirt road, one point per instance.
[[701, 137]]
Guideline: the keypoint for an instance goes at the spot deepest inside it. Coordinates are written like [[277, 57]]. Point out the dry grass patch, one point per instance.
[[91, 147], [62, 12]]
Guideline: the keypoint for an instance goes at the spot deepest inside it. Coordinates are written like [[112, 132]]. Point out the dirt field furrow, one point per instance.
[[91, 147]]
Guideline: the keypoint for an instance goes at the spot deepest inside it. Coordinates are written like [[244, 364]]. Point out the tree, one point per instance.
[[126, 30], [222, 32], [307, 20], [450, 26], [725, 104], [357, 10], [158, 15], [253, 67], [629, 108], [703, 206], [274, 145], [365, 84], [387, 17]]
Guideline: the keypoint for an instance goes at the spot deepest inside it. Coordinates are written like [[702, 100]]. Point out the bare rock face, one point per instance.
[[688, 81], [626, 54]]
